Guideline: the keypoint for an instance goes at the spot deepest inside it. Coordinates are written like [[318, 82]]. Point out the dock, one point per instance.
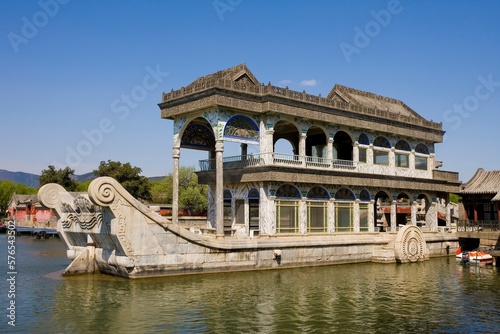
[[37, 232]]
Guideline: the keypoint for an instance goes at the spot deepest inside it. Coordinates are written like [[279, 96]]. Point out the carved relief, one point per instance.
[[410, 245], [82, 213]]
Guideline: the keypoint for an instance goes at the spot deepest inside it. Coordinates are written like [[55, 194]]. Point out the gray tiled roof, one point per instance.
[[371, 100], [483, 182]]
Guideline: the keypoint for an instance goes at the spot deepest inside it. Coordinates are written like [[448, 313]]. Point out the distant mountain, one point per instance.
[[84, 177], [31, 180]]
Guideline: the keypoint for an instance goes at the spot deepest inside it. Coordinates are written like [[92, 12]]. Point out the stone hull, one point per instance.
[[111, 232]]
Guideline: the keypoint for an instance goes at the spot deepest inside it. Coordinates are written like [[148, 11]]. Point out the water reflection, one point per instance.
[[434, 296], [437, 296]]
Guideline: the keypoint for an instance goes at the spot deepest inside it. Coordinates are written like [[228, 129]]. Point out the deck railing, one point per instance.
[[478, 226], [280, 159]]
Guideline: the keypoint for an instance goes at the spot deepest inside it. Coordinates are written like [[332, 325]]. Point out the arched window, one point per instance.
[[402, 158], [363, 140], [198, 136], [422, 148], [317, 209], [253, 206], [342, 146], [287, 209], [241, 127], [364, 196], [381, 152], [382, 142], [420, 159]]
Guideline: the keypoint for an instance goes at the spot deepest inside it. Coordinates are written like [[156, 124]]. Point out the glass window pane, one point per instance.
[[287, 217], [402, 160], [421, 163], [381, 158], [317, 213], [254, 214], [240, 211], [228, 221], [343, 217], [362, 155]]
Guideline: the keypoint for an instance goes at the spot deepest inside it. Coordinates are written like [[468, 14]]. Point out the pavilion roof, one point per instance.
[[236, 73], [370, 100], [483, 182]]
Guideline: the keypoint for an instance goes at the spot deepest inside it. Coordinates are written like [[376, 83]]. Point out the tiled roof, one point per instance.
[[21, 199], [235, 73], [483, 182], [352, 97], [370, 100]]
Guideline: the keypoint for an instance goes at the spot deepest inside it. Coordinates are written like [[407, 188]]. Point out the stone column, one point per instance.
[[303, 215], [369, 155], [448, 215], [219, 187], [412, 160], [331, 216], [329, 151], [393, 216], [431, 217], [176, 153], [431, 162], [355, 152], [356, 216], [266, 146], [371, 216], [302, 148], [414, 213], [392, 160]]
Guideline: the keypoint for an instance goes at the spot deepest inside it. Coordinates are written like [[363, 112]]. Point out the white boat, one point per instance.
[[476, 257]]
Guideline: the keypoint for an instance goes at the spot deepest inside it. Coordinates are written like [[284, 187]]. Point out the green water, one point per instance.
[[437, 296]]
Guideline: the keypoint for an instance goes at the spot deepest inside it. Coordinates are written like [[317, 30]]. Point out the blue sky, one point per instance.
[[80, 80]]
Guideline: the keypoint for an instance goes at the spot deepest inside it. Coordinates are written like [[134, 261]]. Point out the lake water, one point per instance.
[[436, 296]]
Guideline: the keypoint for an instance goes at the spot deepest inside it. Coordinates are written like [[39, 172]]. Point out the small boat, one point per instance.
[[476, 257]]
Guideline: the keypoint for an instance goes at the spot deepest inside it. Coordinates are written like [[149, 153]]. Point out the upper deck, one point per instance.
[[343, 106]]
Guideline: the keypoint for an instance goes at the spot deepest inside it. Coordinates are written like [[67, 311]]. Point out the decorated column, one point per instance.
[[219, 187], [393, 215], [176, 153]]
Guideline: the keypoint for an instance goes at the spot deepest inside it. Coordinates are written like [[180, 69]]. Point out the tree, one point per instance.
[[7, 189], [161, 190], [61, 177], [192, 196], [129, 177]]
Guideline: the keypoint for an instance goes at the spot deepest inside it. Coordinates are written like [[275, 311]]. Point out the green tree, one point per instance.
[[129, 177], [161, 190], [192, 196], [454, 198], [60, 176], [7, 189], [83, 186]]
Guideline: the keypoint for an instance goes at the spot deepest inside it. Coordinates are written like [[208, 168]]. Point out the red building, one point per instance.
[[481, 196], [26, 210]]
